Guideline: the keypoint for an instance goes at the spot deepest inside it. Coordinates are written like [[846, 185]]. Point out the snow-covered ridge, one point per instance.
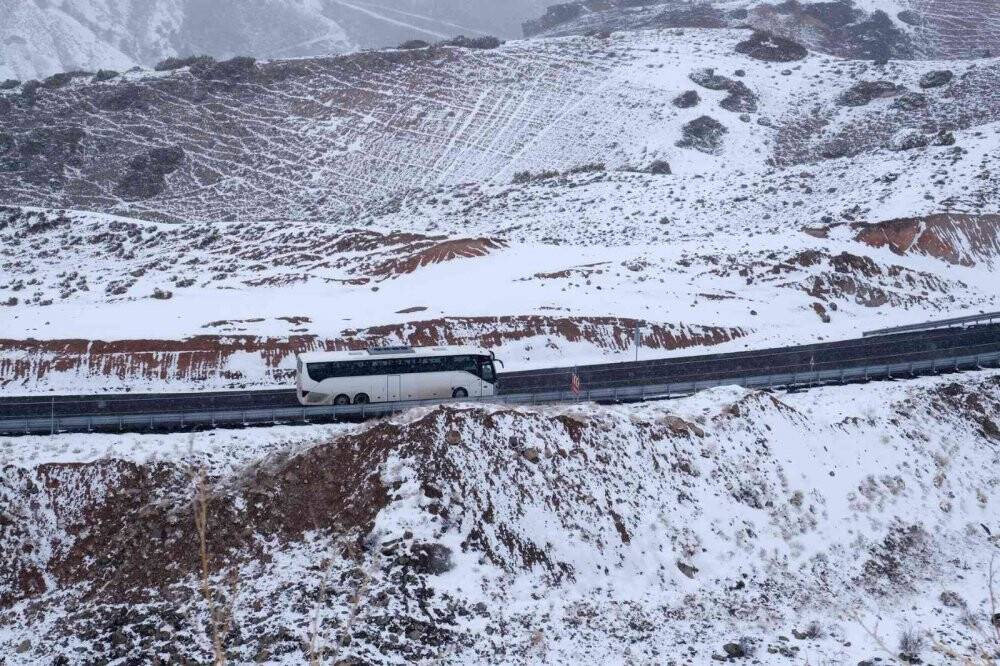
[[486, 535]]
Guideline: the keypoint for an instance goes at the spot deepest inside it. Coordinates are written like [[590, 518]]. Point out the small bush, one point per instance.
[[9, 84], [911, 643], [413, 44], [162, 294], [105, 75]]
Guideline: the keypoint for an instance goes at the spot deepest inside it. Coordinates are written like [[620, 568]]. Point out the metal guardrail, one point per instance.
[[299, 415], [931, 325]]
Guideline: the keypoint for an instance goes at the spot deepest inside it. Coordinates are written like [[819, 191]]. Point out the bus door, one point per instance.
[[394, 388]]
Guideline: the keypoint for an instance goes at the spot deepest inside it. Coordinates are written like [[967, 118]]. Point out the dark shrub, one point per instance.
[[234, 69], [170, 64], [9, 84], [703, 134], [122, 97], [771, 48], [105, 75], [936, 78], [659, 168], [147, 173], [57, 81], [414, 44], [687, 99], [484, 42]]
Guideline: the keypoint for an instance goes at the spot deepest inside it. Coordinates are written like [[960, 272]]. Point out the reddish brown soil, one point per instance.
[[424, 254], [957, 239]]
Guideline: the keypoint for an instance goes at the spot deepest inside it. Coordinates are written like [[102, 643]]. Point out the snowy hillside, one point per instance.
[[540, 198], [841, 525], [39, 38]]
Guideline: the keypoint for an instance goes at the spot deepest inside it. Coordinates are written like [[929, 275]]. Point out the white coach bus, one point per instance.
[[390, 374]]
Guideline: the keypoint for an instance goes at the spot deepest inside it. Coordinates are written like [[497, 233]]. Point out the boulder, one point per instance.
[[734, 650], [431, 558], [771, 48], [936, 78], [688, 570], [703, 134]]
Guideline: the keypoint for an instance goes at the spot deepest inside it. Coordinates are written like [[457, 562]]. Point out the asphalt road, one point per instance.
[[905, 347]]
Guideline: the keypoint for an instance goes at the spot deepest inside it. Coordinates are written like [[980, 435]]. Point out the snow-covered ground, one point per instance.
[[817, 527]]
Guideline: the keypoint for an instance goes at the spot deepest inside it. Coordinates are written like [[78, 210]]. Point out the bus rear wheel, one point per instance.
[[362, 399], [460, 393], [342, 399]]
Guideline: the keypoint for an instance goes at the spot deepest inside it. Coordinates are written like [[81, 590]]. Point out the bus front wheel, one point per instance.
[[342, 400], [362, 399], [460, 393]]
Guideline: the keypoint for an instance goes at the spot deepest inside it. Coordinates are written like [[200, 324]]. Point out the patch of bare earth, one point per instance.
[[957, 239]]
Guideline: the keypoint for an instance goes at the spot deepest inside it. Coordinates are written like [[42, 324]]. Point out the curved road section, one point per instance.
[[884, 356]]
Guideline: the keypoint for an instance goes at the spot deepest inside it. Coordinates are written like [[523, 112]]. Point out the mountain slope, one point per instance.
[[318, 138], [39, 38]]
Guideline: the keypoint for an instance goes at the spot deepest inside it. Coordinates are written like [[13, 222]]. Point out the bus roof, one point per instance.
[[390, 352]]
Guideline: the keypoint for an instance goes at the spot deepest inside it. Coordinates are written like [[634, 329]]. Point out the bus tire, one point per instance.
[[460, 393], [342, 399], [362, 399]]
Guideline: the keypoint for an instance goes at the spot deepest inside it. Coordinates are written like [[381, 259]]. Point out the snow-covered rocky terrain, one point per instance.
[[838, 526], [40, 38], [717, 186]]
